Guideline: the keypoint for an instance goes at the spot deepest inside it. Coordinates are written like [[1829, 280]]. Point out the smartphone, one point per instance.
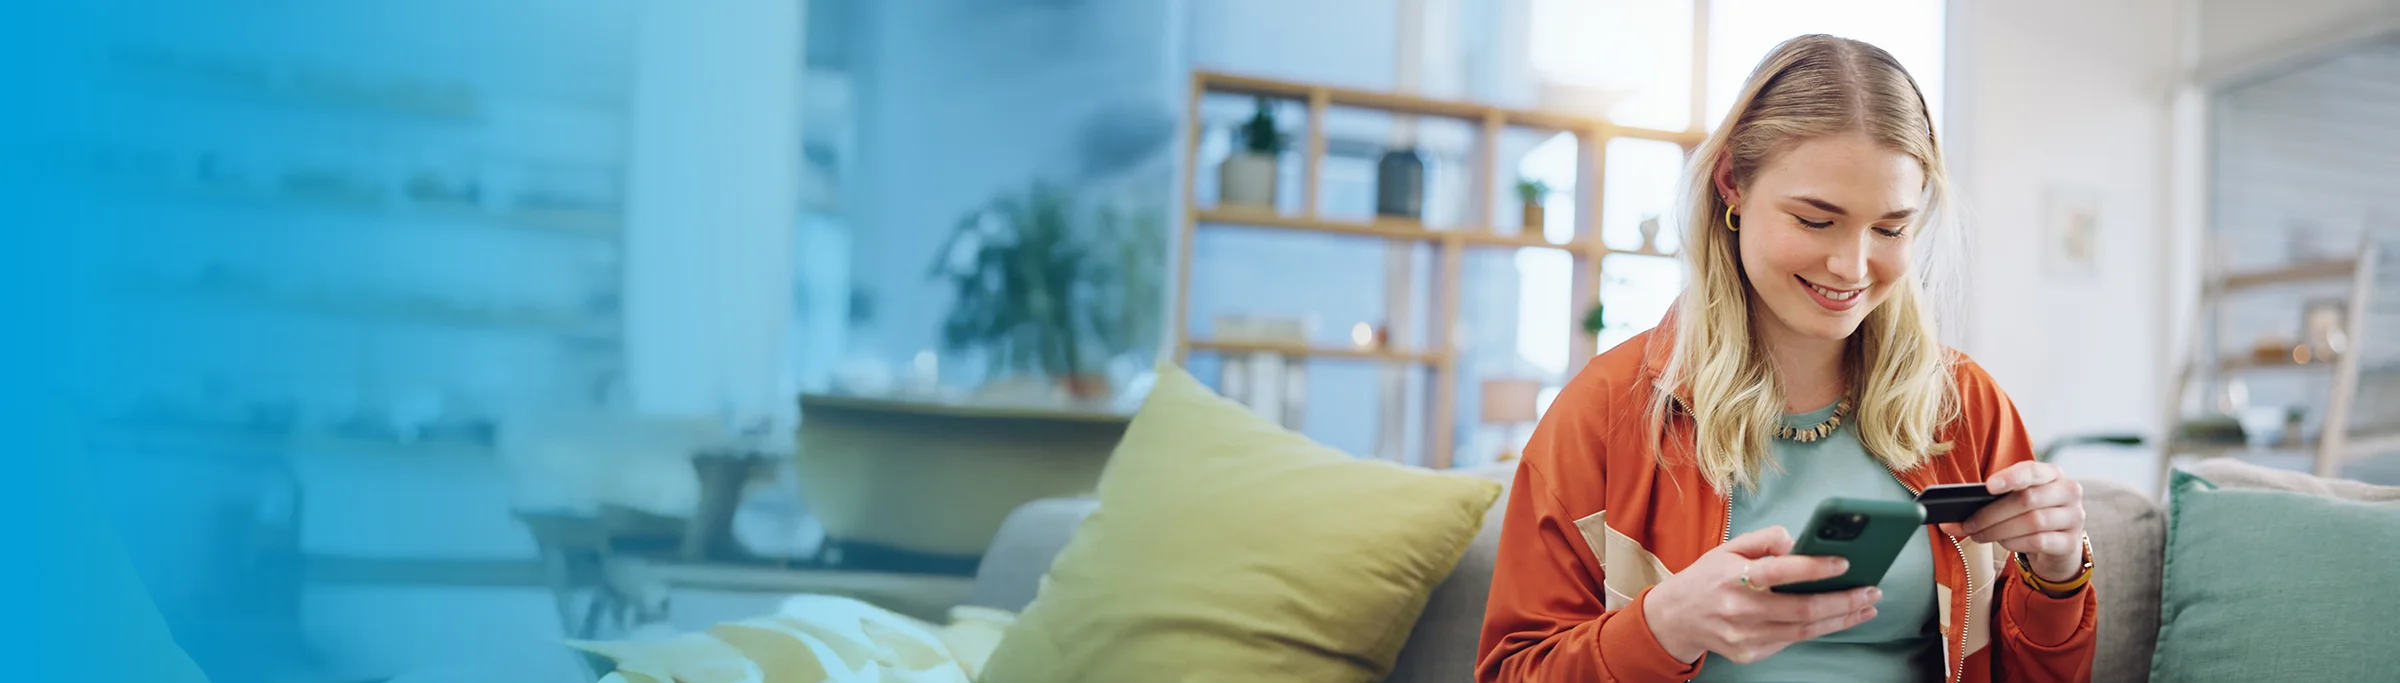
[[1948, 503], [1869, 533]]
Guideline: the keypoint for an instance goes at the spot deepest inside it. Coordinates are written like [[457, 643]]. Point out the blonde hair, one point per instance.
[[1899, 372]]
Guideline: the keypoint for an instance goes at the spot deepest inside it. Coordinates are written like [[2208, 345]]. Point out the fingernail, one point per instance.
[[1841, 565], [1874, 594]]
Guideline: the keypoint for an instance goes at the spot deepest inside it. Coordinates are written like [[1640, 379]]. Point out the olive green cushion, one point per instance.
[[2263, 585], [1228, 548]]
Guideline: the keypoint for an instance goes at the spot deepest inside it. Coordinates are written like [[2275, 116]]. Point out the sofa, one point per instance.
[[2127, 528]]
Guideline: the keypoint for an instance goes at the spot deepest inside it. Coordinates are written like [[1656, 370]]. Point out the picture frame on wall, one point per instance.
[[2071, 232]]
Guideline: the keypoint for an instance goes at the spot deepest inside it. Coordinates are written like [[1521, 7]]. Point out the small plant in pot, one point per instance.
[[1249, 175], [1594, 322], [1532, 194]]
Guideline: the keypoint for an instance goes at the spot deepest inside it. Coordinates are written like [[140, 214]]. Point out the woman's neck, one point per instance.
[[1808, 369]]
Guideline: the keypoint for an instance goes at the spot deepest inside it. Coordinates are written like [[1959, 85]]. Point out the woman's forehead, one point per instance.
[[1850, 171]]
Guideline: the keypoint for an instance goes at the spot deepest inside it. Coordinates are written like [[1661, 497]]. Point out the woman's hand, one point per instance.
[[1707, 608], [2039, 514]]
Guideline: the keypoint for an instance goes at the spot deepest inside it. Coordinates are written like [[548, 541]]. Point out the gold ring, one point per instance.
[[1746, 577]]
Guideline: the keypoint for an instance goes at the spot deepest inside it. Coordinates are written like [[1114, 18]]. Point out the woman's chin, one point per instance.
[[1819, 326]]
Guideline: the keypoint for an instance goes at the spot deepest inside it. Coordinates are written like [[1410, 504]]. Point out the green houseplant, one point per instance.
[[1531, 195], [1593, 321], [1048, 288], [1250, 173]]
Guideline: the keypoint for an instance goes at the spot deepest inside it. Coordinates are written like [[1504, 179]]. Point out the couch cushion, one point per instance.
[[2235, 474], [1442, 649], [1226, 544], [2275, 585], [1029, 539], [2128, 532]]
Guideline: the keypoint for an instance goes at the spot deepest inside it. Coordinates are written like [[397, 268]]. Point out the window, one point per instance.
[[1631, 60]]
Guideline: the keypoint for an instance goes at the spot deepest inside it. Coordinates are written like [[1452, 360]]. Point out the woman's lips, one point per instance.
[[1832, 299]]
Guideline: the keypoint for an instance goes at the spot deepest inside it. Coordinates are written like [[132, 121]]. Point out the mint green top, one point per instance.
[[1902, 642]]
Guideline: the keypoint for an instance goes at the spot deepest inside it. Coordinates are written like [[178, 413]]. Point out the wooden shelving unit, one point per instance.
[[1440, 354], [2337, 438]]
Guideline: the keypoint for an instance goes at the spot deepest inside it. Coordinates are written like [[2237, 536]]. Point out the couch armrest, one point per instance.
[[1031, 537]]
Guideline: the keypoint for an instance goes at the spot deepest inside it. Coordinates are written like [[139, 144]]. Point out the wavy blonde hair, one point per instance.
[[1898, 371]]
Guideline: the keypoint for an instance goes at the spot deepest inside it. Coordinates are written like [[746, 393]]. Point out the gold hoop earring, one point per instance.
[[1731, 223]]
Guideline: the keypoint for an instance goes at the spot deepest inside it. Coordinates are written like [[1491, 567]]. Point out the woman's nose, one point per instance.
[[1849, 261]]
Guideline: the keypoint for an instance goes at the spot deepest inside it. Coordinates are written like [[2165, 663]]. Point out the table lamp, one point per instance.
[[1511, 403]]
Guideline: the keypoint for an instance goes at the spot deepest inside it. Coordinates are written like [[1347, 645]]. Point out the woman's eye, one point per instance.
[[1889, 232], [1813, 224]]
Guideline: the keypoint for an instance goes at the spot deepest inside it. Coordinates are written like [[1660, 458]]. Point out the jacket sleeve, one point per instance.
[[2040, 638], [1546, 620]]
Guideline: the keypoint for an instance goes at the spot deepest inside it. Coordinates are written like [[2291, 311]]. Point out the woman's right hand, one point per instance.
[[1706, 608]]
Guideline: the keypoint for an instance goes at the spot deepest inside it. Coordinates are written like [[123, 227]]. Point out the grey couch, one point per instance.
[[2128, 533]]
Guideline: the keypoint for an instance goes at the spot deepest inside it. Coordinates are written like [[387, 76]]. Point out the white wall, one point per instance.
[[2100, 97], [2070, 95], [711, 206]]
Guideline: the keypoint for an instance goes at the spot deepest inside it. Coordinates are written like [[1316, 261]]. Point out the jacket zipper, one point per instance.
[[1958, 669]]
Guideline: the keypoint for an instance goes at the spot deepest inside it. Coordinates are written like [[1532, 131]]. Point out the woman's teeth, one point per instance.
[[1835, 295]]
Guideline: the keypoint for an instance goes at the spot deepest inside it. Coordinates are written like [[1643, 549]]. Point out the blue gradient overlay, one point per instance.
[[282, 277], [248, 242]]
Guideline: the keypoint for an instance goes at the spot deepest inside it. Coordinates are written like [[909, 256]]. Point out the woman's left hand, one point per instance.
[[2039, 514]]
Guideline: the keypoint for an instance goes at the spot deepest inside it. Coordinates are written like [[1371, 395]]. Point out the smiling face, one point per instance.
[[1826, 229]]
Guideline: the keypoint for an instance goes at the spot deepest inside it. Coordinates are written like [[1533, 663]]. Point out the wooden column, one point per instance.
[[1179, 339]]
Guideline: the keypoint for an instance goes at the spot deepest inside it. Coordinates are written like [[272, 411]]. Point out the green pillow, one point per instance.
[[1227, 548], [2276, 586]]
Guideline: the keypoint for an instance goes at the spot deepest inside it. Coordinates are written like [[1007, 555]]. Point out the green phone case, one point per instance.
[[1888, 526]]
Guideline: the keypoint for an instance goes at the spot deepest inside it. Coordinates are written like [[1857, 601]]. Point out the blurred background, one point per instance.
[[410, 338]]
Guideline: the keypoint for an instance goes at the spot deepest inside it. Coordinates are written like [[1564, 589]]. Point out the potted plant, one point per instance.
[[1249, 174], [1593, 321], [1531, 194], [1049, 292]]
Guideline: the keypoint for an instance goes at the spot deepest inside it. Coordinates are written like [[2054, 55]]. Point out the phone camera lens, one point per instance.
[[1843, 528]]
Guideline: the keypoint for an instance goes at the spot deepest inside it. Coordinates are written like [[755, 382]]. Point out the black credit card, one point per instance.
[[1949, 503]]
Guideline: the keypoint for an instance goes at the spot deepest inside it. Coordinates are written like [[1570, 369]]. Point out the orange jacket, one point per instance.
[[1591, 495]]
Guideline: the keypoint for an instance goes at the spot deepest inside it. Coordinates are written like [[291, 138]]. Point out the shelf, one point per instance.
[[1484, 238], [578, 223], [1245, 85], [394, 312], [2318, 271], [1262, 218], [2250, 364], [1395, 229], [179, 440], [1304, 350], [2355, 445], [2367, 444]]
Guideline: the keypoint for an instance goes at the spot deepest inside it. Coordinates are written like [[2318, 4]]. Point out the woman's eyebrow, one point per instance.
[[1836, 209]]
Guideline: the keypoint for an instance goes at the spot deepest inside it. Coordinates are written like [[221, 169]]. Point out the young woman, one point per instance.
[[1655, 503]]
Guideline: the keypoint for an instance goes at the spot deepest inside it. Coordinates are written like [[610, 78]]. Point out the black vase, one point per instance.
[[1400, 184]]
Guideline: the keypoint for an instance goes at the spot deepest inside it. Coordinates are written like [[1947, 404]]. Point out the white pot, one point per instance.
[[1247, 179]]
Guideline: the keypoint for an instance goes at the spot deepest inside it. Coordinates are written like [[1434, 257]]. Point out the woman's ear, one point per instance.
[[1724, 180]]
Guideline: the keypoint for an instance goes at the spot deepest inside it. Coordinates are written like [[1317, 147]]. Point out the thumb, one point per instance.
[[1765, 542]]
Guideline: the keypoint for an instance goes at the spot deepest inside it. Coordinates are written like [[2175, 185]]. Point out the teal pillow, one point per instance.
[[2276, 586]]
